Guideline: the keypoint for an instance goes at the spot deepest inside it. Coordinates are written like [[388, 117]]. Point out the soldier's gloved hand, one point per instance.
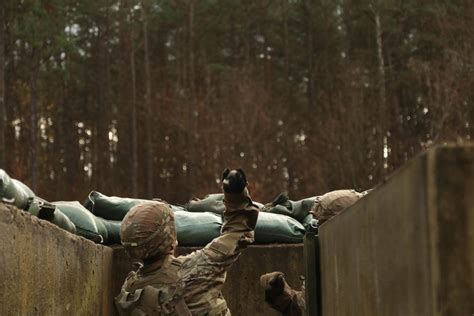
[[279, 295], [273, 283], [240, 215], [233, 181]]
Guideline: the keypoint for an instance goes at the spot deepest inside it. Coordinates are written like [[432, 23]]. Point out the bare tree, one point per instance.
[[134, 132], [33, 125], [3, 119], [381, 129], [192, 119], [308, 7], [148, 106]]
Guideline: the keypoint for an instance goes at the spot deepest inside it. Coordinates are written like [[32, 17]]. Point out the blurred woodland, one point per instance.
[[155, 98]]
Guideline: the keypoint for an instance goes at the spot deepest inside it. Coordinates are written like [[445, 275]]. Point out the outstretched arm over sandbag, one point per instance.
[[207, 267], [240, 219], [280, 296]]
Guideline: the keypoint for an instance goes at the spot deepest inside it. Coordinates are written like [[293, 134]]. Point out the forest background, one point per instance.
[[155, 98]]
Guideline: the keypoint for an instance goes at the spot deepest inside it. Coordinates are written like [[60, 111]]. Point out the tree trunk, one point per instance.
[[59, 135], [3, 120], [289, 162], [110, 107], [100, 164], [192, 75], [149, 112], [33, 129], [287, 49], [381, 133], [134, 132], [192, 126], [309, 45]]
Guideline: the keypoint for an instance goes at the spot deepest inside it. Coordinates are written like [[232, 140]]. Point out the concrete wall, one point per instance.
[[408, 247], [47, 271]]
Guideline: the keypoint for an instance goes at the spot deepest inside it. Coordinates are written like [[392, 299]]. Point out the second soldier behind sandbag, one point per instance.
[[191, 284], [278, 293]]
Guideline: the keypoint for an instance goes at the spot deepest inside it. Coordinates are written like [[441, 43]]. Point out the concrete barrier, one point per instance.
[[48, 271], [408, 247], [45, 270]]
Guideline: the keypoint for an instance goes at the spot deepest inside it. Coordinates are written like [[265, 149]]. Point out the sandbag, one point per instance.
[[213, 203], [276, 228], [51, 213], [310, 223], [298, 210], [196, 229], [110, 207], [84, 220], [109, 230], [24, 187], [278, 209], [301, 208], [114, 207], [14, 192]]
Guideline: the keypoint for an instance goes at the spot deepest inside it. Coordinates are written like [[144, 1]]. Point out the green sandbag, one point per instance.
[[279, 209], [113, 231], [51, 213], [90, 226], [298, 210], [14, 192], [110, 207], [113, 207], [276, 228], [196, 229], [213, 203], [310, 223], [109, 230], [84, 220], [24, 187]]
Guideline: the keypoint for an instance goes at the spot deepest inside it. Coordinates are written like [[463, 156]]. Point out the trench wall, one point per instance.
[[45, 270], [407, 248]]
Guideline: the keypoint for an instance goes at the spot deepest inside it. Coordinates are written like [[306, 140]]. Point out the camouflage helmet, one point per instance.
[[148, 230], [332, 203]]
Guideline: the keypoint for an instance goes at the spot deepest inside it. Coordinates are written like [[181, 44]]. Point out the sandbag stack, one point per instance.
[[14, 192], [197, 223]]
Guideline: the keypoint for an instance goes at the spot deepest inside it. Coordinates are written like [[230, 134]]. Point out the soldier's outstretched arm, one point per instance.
[[240, 219]]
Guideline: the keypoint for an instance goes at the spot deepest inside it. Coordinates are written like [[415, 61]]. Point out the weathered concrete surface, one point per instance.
[[408, 247], [47, 271], [242, 290]]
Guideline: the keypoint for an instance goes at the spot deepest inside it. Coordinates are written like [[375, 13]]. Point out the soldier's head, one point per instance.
[[148, 231]]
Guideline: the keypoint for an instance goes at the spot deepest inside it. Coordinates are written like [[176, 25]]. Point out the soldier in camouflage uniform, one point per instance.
[[191, 284], [278, 294]]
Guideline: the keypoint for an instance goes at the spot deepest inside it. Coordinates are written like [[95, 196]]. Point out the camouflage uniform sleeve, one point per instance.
[[204, 271], [240, 218]]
